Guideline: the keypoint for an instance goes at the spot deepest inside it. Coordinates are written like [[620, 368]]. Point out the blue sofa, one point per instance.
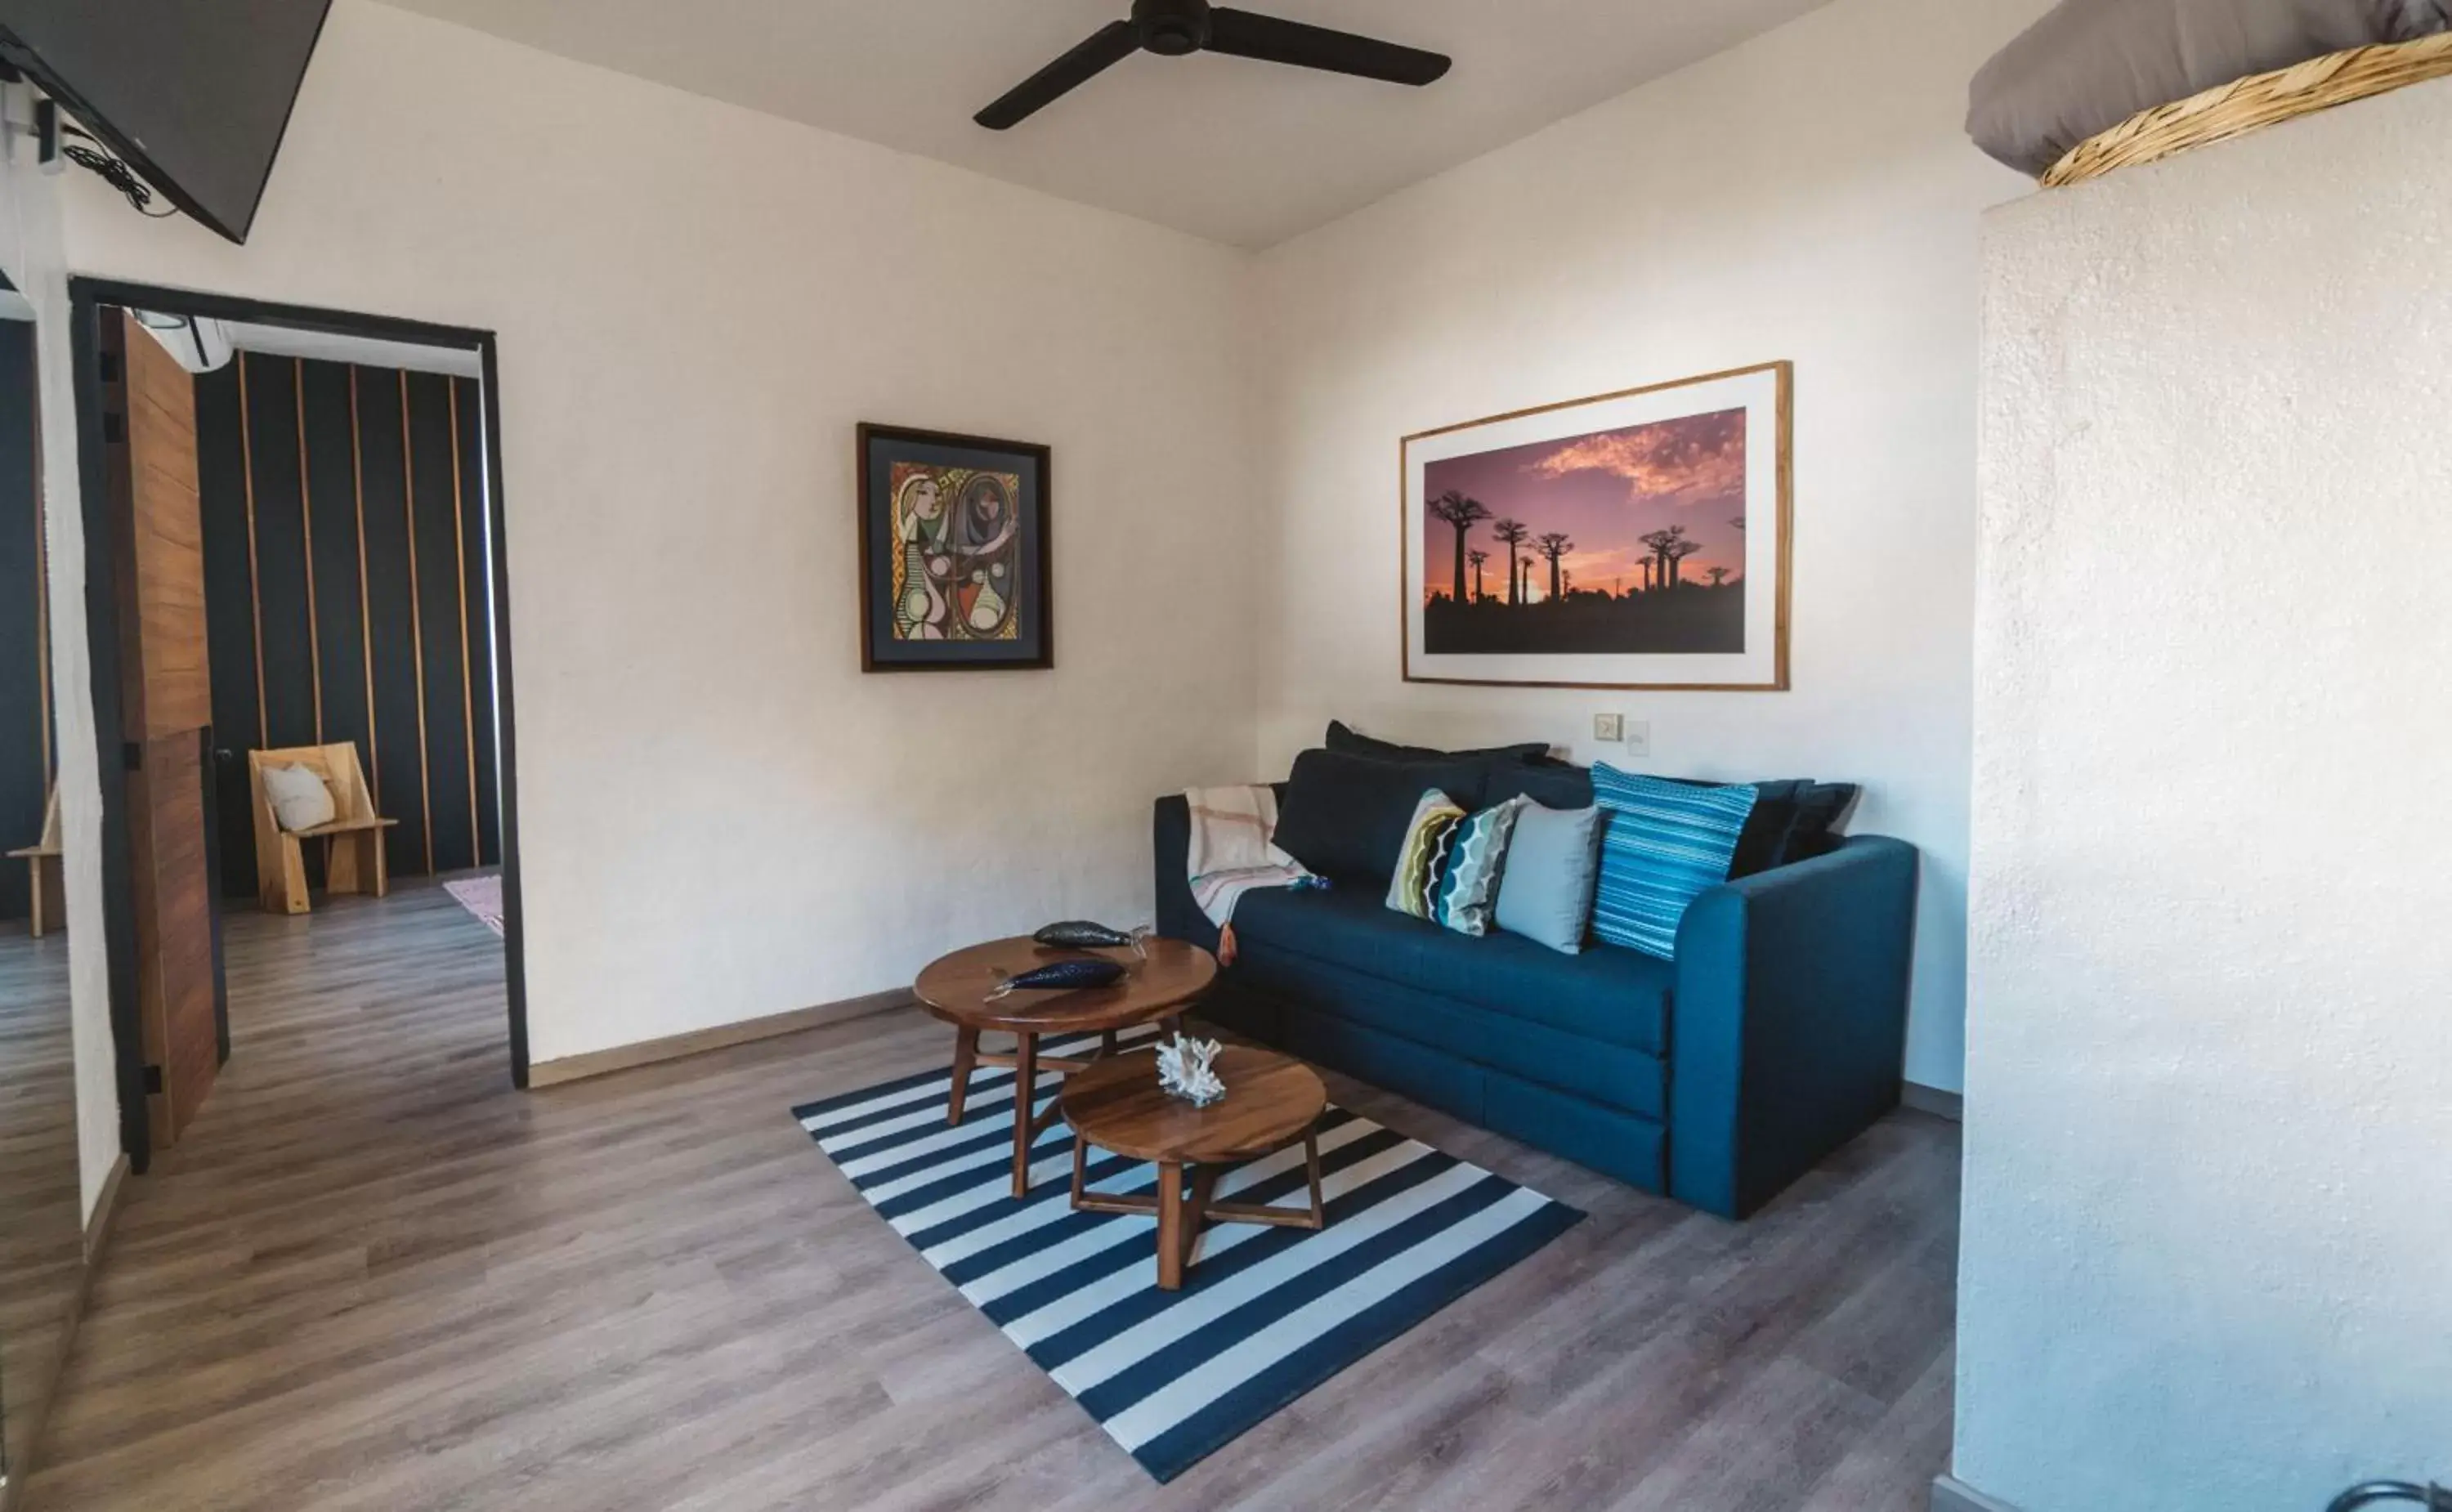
[[1774, 1037]]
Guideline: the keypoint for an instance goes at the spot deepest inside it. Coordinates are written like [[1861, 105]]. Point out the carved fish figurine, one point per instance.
[[1081, 934], [1063, 976]]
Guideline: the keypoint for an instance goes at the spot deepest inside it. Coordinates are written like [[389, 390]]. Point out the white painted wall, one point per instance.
[[721, 817], [32, 252], [2206, 1228], [1809, 195]]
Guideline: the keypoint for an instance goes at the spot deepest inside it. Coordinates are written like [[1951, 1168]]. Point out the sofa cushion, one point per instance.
[[1666, 842], [1345, 740], [1345, 817], [1618, 997]]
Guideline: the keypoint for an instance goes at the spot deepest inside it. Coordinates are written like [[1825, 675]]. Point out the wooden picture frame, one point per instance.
[[956, 559], [1627, 487]]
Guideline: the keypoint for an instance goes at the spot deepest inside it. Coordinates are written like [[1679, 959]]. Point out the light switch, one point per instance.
[[1638, 737], [1609, 729]]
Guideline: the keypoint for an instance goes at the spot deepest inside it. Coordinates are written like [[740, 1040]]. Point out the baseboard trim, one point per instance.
[[106, 1209], [1951, 1494], [699, 1042], [1932, 1100]]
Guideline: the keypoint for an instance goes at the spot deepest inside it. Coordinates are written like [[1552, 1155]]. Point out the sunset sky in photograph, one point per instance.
[[1607, 491]]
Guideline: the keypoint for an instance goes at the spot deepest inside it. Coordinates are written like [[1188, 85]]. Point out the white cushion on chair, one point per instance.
[[300, 798]]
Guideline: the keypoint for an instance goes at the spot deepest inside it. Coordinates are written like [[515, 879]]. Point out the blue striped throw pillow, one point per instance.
[[1665, 843]]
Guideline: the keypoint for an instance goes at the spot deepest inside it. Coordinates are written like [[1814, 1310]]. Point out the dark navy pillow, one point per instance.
[[1345, 817], [1552, 787], [1822, 807], [1344, 739]]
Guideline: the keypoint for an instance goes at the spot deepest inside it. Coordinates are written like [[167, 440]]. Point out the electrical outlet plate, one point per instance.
[[1609, 728], [1638, 737]]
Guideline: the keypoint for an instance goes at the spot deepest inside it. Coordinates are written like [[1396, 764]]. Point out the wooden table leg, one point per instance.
[[1025, 1095], [1311, 1163], [1195, 1215], [1170, 1227], [966, 1055], [1107, 1043]]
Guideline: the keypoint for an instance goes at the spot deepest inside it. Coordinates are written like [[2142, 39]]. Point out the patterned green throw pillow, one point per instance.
[[1450, 869], [1413, 889]]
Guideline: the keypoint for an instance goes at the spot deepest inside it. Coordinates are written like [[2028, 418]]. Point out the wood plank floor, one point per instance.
[[375, 1277], [42, 1233]]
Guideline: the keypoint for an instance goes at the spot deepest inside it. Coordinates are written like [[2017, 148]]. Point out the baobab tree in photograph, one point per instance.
[[1479, 558], [1556, 545], [1663, 544], [1456, 509], [1516, 533], [1678, 552], [1719, 577]]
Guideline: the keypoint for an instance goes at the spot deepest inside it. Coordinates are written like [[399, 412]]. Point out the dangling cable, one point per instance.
[[113, 171]]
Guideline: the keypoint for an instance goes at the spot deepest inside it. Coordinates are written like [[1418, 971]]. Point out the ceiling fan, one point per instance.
[[1175, 27]]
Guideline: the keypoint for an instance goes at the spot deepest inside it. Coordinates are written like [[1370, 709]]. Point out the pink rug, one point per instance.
[[480, 896]]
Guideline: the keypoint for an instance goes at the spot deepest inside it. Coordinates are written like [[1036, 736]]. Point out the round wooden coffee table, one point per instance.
[[955, 988], [1271, 1100]]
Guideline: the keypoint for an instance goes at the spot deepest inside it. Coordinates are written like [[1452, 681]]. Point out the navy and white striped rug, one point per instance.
[[1265, 1314]]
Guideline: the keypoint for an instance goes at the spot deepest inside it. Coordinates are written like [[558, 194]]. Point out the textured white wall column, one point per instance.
[[2208, 1202]]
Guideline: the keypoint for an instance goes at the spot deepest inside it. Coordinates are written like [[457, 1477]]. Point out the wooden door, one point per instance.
[[166, 707]]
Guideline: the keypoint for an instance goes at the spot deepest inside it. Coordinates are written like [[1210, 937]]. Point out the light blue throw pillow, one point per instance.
[[1546, 891], [1665, 843]]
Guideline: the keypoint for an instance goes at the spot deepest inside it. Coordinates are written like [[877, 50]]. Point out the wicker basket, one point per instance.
[[2259, 100]]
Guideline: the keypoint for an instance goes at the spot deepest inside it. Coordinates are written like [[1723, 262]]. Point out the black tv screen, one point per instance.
[[195, 95]]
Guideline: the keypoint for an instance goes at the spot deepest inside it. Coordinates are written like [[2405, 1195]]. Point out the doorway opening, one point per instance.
[[297, 601]]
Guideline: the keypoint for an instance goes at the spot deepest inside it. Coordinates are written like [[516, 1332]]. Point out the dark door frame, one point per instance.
[[87, 298]]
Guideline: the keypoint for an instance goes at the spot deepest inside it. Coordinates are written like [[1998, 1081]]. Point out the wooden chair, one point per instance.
[[45, 885], [353, 840]]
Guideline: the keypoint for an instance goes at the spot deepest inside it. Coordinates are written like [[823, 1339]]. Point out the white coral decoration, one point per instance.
[[1186, 1069]]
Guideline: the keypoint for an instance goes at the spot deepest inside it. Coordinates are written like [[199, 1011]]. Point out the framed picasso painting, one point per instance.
[[953, 555], [1638, 540]]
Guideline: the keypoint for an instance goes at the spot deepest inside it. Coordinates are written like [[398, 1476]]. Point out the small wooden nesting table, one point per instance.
[[955, 988], [1270, 1102]]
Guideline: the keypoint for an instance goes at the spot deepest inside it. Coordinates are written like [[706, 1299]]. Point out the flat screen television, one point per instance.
[[194, 94]]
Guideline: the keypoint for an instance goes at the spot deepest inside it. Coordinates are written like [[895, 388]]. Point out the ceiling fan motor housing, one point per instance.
[[1171, 28]]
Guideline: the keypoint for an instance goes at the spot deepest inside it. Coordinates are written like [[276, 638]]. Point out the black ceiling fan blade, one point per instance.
[[1106, 48], [1247, 35]]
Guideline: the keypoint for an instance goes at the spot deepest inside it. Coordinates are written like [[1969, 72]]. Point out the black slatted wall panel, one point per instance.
[[26, 742], [345, 579]]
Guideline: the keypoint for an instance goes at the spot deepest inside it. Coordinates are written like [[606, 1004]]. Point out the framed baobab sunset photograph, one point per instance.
[[1638, 540]]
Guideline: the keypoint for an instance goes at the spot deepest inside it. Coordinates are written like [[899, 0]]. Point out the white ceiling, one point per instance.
[[1241, 153]]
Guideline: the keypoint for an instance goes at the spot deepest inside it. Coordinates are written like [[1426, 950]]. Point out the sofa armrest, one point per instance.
[[1789, 1030]]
